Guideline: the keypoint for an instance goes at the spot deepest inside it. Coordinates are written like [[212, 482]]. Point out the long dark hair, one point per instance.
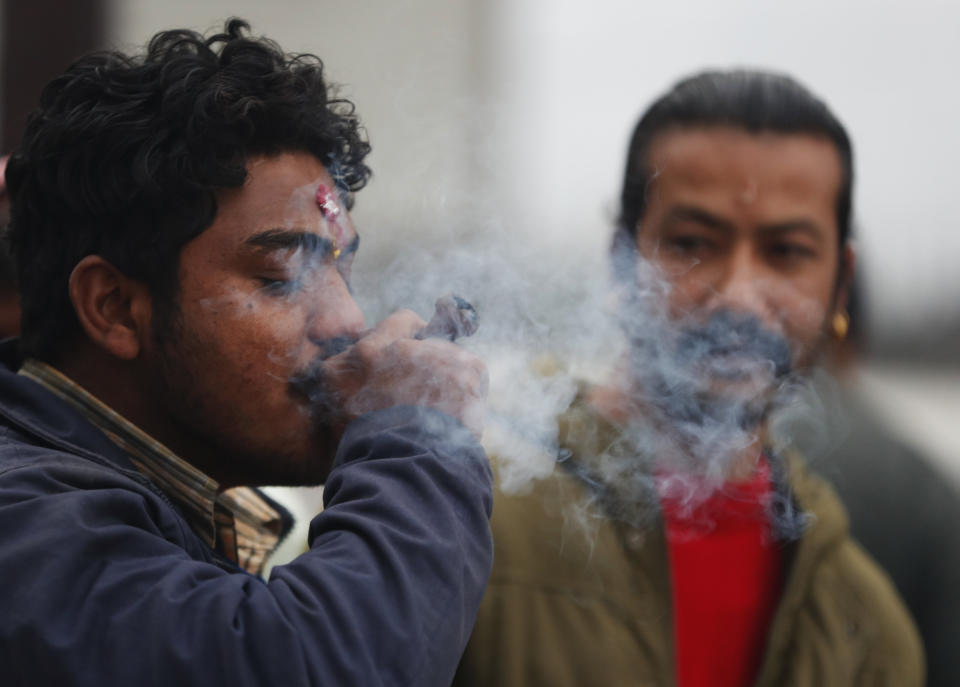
[[754, 101]]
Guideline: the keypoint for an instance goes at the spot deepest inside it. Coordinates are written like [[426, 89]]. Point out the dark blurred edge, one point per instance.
[[932, 344], [40, 39], [938, 345]]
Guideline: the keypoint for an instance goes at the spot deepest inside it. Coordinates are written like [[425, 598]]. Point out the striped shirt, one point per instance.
[[237, 522]]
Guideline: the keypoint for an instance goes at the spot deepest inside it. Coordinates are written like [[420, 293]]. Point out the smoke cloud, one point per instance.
[[552, 323]]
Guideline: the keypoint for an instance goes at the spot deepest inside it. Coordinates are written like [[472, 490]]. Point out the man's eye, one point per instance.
[[688, 245], [278, 287], [791, 251]]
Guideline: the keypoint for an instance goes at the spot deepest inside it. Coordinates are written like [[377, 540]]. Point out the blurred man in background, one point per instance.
[[181, 233], [708, 558]]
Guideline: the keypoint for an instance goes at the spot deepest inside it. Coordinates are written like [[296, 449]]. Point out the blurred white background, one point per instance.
[[530, 104], [510, 118]]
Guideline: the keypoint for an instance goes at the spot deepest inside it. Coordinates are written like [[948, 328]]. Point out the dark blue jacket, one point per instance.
[[103, 583]]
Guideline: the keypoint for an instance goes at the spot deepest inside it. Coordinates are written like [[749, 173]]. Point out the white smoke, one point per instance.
[[551, 323]]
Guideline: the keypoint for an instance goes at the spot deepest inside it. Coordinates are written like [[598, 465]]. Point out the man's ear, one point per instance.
[[114, 310], [845, 271]]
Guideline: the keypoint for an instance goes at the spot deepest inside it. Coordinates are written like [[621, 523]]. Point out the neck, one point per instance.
[[620, 406], [127, 389]]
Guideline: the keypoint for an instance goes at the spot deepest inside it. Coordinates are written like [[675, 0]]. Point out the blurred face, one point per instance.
[[744, 229], [264, 291]]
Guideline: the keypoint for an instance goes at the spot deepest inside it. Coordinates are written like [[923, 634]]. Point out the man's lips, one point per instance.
[[331, 347], [734, 366], [307, 381]]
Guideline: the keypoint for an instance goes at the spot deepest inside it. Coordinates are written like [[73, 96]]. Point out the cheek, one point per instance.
[[685, 297], [687, 291], [684, 284], [255, 334], [801, 312]]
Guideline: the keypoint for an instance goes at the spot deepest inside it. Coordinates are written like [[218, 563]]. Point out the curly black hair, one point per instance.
[[126, 154]]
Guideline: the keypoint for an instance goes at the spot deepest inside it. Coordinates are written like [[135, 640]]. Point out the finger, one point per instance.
[[403, 324], [454, 317]]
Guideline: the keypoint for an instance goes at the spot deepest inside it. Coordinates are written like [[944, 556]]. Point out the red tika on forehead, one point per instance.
[[328, 202]]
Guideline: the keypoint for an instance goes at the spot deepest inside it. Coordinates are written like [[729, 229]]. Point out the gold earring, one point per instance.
[[841, 325]]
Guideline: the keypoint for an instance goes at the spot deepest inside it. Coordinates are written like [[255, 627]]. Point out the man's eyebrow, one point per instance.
[[286, 239], [690, 213], [804, 226]]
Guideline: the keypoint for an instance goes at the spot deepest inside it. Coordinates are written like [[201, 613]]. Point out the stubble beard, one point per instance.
[[222, 448], [707, 388]]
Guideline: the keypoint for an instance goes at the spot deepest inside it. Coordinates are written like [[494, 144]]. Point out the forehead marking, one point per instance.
[[329, 203]]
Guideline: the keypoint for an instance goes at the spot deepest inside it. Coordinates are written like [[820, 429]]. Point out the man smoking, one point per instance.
[[181, 229]]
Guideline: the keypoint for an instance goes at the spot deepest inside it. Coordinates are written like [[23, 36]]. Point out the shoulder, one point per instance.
[[850, 600], [554, 538], [537, 525], [876, 618], [48, 493], [551, 526], [51, 469]]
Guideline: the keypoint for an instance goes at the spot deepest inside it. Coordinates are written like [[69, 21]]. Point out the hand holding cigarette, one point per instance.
[[405, 361], [453, 318]]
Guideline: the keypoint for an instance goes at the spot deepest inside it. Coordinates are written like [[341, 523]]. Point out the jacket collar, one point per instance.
[[805, 508], [36, 411]]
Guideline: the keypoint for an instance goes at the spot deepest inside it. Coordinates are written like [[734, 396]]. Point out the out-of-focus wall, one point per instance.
[[578, 75], [64, 30], [514, 115], [412, 68]]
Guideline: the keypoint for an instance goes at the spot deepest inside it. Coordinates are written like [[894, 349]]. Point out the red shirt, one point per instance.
[[726, 576]]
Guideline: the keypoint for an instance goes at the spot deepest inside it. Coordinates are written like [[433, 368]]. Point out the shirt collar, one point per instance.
[[238, 522]]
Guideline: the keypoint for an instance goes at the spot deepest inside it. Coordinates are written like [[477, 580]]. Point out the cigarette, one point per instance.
[[454, 317]]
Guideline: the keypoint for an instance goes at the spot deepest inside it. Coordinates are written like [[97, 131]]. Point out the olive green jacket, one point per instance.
[[576, 604]]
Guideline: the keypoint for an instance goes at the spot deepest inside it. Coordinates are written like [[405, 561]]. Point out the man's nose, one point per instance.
[[334, 312], [742, 284]]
